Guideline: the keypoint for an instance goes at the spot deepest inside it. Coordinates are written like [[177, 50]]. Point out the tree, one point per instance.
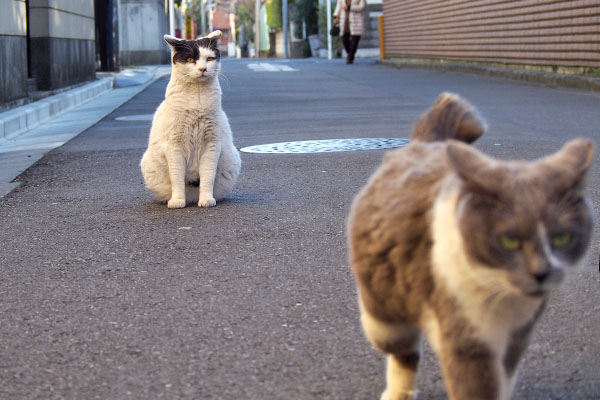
[[245, 16], [307, 11], [274, 13]]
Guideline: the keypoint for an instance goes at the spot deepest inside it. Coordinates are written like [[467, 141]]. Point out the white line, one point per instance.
[[268, 67]]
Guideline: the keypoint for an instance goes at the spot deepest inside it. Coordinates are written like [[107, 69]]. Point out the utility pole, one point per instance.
[[285, 28], [329, 28], [171, 17], [257, 29], [203, 17]]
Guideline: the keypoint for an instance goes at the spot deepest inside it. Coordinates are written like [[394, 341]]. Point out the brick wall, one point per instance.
[[534, 32]]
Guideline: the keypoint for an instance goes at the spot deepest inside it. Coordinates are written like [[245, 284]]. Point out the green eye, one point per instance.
[[191, 60], [210, 58], [561, 240], [510, 242]]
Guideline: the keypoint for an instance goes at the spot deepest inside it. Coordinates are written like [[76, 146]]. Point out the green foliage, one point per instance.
[[274, 13], [245, 17], [306, 10]]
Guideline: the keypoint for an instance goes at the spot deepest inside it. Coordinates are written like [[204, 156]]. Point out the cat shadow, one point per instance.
[[231, 200]]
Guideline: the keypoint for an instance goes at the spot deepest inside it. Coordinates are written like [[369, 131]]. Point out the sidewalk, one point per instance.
[[30, 131], [550, 79]]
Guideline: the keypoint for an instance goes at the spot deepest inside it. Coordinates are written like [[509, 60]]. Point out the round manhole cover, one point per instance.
[[139, 117], [327, 145]]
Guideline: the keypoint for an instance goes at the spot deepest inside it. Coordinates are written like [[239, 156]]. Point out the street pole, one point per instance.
[[203, 17], [172, 17], [257, 29], [285, 29], [329, 28]]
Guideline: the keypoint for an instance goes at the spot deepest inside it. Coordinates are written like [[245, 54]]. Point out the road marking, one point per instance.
[[263, 66]]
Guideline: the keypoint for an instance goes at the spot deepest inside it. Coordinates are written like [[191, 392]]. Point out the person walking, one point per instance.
[[350, 15]]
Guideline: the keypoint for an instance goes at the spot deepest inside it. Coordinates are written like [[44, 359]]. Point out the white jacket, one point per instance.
[[357, 17]]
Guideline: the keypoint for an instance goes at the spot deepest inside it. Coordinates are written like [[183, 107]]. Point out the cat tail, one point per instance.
[[450, 117]]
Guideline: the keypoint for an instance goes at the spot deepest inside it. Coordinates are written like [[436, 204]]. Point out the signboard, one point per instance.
[[188, 24]]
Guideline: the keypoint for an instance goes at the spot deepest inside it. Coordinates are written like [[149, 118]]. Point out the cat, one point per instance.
[[190, 156], [464, 248]]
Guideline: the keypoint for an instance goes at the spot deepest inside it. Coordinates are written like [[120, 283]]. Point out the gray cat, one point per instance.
[[464, 248]]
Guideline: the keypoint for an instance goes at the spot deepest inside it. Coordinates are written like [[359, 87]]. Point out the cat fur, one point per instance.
[[422, 248], [191, 157]]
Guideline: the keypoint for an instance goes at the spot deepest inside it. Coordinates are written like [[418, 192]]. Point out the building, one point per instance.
[[548, 35], [46, 45], [143, 24]]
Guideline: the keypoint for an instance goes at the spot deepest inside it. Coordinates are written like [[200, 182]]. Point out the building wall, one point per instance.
[[62, 42], [534, 32], [13, 50], [143, 24]]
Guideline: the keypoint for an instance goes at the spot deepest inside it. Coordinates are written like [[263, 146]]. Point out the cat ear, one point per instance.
[[479, 172], [216, 35], [574, 160], [450, 117], [172, 41]]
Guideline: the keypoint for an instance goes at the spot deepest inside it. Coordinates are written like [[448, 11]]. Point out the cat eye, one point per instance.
[[191, 60], [510, 242], [560, 240], [211, 58]]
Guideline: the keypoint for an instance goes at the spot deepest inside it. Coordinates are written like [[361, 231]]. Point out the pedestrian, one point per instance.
[[350, 15]]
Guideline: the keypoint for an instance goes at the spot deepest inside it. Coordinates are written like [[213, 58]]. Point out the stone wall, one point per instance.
[[143, 24], [13, 51], [62, 42]]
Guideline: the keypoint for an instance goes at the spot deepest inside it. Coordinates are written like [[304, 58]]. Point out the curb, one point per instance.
[[21, 119], [545, 78], [89, 104]]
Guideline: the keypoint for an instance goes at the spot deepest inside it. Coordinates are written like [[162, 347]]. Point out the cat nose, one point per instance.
[[202, 69], [540, 271], [541, 276]]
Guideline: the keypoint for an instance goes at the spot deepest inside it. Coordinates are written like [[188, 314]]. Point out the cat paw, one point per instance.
[[389, 395], [176, 203], [207, 202]]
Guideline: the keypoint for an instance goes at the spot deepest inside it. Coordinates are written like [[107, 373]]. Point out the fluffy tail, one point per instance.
[[450, 117]]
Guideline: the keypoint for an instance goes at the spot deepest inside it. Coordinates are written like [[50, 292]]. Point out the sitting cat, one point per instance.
[[190, 155], [447, 241]]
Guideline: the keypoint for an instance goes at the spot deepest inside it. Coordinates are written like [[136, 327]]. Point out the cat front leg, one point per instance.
[[208, 169], [401, 372], [471, 371], [176, 162]]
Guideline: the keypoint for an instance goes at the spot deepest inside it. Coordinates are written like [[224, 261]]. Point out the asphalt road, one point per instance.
[[107, 294]]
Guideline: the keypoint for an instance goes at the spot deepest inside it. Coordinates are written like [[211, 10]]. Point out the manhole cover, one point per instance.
[[327, 145], [139, 117]]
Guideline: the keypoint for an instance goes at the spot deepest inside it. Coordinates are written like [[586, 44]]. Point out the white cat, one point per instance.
[[190, 156]]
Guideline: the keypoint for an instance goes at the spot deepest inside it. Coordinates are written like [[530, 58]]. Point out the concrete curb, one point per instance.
[[539, 77], [21, 119], [24, 149]]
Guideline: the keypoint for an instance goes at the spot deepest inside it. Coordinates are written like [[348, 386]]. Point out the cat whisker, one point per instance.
[[224, 77]]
